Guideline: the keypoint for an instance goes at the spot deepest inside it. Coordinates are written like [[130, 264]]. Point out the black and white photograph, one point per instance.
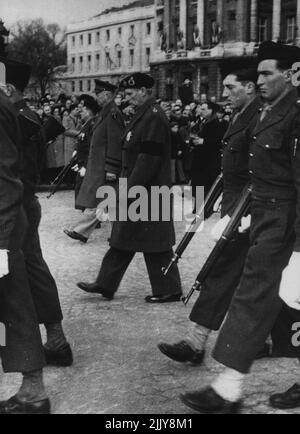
[[149, 209]]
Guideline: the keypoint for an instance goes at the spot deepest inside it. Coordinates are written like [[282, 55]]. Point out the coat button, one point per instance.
[[251, 155], [254, 138], [251, 172], [267, 146]]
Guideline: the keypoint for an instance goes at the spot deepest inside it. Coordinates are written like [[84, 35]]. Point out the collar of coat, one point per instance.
[[139, 114], [107, 109], [244, 118], [279, 111]]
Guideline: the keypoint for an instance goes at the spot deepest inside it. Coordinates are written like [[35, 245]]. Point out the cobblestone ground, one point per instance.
[[118, 369]]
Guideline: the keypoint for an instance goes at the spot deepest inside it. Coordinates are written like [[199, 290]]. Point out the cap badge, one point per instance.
[[131, 82]]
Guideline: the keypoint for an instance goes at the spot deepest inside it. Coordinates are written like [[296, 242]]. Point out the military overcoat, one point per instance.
[[146, 162]]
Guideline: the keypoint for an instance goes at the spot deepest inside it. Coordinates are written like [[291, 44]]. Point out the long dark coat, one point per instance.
[[146, 162], [104, 156], [206, 164]]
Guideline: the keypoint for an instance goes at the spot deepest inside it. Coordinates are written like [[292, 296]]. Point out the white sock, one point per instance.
[[229, 385], [198, 337]]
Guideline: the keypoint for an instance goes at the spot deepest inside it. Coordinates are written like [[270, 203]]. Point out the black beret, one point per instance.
[[287, 54], [244, 67], [89, 102], [17, 73], [100, 86], [136, 81]]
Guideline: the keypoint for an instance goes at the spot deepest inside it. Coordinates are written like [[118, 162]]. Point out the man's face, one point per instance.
[[47, 110], [235, 92], [206, 113], [85, 113], [118, 100], [272, 82], [134, 97], [103, 97]]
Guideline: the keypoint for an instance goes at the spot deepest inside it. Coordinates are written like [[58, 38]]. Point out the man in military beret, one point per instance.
[[23, 352], [272, 265], [42, 284], [104, 160], [208, 314], [146, 162]]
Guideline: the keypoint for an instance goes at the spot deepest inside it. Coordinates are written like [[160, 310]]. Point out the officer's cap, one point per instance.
[[14, 72], [245, 68], [287, 55], [136, 81], [101, 86]]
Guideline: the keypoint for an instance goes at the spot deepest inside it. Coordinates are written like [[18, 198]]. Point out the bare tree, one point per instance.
[[43, 47]]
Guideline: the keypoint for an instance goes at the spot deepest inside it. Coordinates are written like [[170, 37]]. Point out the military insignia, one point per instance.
[[129, 136], [155, 110], [131, 82]]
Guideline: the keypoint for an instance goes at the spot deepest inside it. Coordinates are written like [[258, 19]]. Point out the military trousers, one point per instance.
[[256, 303], [43, 287], [23, 350], [116, 262], [216, 295]]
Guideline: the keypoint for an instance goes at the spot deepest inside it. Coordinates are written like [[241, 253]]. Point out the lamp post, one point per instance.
[[4, 35]]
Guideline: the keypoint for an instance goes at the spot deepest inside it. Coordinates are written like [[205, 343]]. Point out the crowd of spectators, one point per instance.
[[195, 146]]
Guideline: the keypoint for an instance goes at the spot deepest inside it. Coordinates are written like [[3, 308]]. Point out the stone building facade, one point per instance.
[[117, 42], [193, 36]]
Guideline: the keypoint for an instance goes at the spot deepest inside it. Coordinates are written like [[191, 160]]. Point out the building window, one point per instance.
[[89, 63], [263, 29], [148, 29], [108, 61], [131, 58], [132, 30], [98, 37], [291, 29], [73, 64], [119, 59], [73, 86], [90, 39], [81, 40], [80, 64], [89, 86], [73, 41], [97, 62], [80, 86], [107, 35], [232, 26], [148, 55], [120, 31]]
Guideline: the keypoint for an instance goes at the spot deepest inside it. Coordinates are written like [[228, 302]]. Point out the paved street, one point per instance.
[[118, 369]]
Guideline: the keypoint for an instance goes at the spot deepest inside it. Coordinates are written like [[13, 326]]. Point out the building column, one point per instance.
[[183, 19], [220, 13], [276, 19], [253, 21], [167, 18], [298, 22], [200, 19], [241, 12]]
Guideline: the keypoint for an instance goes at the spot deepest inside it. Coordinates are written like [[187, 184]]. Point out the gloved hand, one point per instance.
[[74, 154], [82, 172], [245, 224], [219, 228], [4, 268], [75, 168], [218, 203], [289, 290], [111, 177]]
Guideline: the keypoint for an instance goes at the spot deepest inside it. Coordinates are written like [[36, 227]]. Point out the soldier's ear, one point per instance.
[[2, 74], [288, 75]]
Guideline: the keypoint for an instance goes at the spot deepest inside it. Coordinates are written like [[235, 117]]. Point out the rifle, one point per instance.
[[242, 209], [61, 176], [204, 212]]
